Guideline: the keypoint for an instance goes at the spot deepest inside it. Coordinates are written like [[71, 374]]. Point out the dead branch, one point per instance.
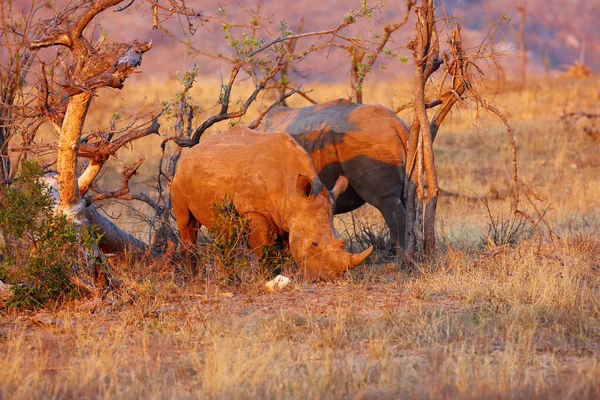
[[224, 114], [126, 175], [143, 197], [101, 150], [113, 239], [358, 69], [72, 37], [109, 68], [456, 69], [487, 106], [518, 185]]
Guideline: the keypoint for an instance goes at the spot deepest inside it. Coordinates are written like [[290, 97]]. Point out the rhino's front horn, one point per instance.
[[356, 259]]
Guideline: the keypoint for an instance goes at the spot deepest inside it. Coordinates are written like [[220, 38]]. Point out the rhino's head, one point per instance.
[[315, 247]]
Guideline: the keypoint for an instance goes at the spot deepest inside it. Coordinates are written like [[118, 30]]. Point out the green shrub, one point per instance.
[[228, 254], [40, 251]]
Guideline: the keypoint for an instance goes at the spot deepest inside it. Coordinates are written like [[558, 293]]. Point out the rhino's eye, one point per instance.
[[314, 244]]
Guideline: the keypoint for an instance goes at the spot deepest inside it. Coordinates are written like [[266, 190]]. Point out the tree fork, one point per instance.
[[91, 69]]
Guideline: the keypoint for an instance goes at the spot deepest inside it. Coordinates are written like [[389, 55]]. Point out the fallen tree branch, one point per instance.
[[113, 238]]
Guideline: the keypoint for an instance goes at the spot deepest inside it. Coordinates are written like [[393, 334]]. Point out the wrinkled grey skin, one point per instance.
[[365, 143]]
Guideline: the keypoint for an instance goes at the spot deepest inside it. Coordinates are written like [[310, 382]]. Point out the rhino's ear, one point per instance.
[[340, 187], [304, 186]]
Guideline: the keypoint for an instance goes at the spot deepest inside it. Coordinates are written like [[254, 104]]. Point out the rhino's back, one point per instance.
[[240, 148], [343, 130], [249, 167]]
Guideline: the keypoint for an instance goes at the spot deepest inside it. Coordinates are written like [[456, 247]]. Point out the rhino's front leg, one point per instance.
[[261, 233]]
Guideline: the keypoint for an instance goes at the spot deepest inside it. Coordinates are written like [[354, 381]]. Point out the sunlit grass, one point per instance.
[[520, 323]]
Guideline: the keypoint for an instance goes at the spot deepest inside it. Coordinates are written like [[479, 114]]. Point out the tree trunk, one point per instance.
[[420, 166], [70, 202], [426, 161], [113, 239]]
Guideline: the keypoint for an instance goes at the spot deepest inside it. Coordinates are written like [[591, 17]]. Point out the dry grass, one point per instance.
[[523, 322]]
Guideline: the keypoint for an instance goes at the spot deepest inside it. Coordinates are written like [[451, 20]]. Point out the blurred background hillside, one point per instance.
[[557, 33]]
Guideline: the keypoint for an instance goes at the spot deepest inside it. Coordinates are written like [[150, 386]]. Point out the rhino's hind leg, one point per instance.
[[394, 214], [188, 232], [381, 185]]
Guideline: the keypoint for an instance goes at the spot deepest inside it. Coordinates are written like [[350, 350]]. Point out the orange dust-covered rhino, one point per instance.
[[273, 184], [365, 143]]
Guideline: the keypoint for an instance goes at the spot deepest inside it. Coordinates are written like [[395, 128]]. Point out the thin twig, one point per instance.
[[254, 124]]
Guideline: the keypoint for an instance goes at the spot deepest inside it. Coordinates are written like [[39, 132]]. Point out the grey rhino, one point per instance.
[[272, 183], [365, 143]]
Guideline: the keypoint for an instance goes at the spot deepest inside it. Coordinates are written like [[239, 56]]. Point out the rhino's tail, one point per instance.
[[403, 132]]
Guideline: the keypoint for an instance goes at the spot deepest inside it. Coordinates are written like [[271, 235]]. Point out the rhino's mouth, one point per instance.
[[324, 259]]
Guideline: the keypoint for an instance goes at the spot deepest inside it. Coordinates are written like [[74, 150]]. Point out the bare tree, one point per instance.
[[89, 68], [421, 189], [89, 71], [420, 220]]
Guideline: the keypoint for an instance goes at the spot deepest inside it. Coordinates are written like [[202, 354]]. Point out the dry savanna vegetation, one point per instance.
[[484, 319], [507, 306]]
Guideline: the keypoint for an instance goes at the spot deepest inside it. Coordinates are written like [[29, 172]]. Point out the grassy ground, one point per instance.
[[476, 322]]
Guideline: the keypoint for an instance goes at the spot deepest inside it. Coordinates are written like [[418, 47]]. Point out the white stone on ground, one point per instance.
[[277, 283]]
